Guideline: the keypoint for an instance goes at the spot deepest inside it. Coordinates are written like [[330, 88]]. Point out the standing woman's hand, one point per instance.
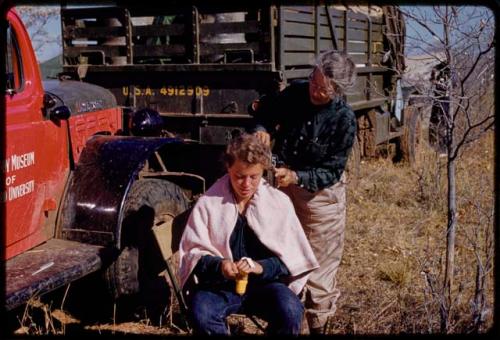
[[264, 137], [285, 177]]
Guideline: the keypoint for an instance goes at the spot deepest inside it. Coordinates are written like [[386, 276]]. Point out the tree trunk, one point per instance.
[[450, 246], [478, 301]]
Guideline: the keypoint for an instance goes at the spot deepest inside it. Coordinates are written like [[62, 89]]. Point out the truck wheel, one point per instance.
[[133, 279], [412, 139]]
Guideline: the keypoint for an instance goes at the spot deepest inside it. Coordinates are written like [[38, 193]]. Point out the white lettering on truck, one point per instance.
[[21, 190], [22, 161], [14, 190]]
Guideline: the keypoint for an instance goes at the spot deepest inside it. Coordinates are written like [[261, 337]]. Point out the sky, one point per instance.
[[470, 18], [52, 47]]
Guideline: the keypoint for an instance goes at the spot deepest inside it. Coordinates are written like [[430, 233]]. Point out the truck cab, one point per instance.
[[34, 160], [39, 152], [72, 180]]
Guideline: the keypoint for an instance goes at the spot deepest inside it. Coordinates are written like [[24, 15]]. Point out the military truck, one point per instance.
[[200, 64]]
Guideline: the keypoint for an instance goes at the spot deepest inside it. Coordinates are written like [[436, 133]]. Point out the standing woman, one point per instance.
[[314, 130]]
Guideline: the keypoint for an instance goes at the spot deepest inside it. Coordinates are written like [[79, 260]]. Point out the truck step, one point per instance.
[[51, 265]]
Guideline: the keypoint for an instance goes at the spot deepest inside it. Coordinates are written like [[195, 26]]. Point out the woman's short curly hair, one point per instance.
[[247, 148]]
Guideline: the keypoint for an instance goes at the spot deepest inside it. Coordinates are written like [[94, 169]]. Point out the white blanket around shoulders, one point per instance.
[[271, 216]]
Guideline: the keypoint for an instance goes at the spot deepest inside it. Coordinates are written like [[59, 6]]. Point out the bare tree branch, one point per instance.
[[424, 25]]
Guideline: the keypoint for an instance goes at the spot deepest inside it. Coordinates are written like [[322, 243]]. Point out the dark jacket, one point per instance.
[[314, 141]]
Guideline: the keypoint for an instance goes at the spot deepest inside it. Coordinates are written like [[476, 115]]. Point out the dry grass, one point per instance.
[[395, 240]]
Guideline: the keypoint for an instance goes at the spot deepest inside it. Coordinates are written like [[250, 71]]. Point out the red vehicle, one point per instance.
[[79, 195]]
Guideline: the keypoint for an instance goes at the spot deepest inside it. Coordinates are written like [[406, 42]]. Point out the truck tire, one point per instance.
[[133, 279], [412, 139]]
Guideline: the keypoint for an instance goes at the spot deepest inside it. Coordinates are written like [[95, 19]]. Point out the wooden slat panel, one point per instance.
[[299, 44], [376, 69], [158, 50], [250, 26], [303, 30], [297, 58], [360, 35], [158, 30], [358, 24], [351, 15], [327, 44], [109, 51], [299, 17], [362, 58], [377, 27], [339, 22], [324, 32], [359, 59], [220, 48], [73, 32], [377, 58], [297, 74], [354, 34], [357, 47], [306, 30], [362, 83], [366, 104], [334, 13], [176, 68], [362, 17], [93, 12], [364, 25], [356, 16], [355, 97], [323, 20], [377, 86], [306, 9]]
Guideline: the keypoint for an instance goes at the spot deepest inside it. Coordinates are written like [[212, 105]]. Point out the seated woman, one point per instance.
[[242, 227]]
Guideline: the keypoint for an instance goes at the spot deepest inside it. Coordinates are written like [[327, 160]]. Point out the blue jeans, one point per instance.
[[273, 302]]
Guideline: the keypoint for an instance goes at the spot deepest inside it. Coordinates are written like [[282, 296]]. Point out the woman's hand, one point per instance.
[[285, 177], [248, 266], [264, 137], [229, 269]]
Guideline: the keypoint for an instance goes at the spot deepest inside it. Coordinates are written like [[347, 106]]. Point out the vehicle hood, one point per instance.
[[78, 96]]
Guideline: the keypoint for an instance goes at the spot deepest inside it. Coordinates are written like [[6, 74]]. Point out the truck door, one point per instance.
[[36, 163]]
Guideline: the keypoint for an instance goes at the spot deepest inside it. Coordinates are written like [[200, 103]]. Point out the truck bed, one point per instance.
[[51, 265]]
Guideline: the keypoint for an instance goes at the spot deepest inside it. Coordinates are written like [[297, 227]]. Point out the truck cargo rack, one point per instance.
[[200, 64]]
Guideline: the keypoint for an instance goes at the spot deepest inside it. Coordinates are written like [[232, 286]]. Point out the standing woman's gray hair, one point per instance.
[[339, 69]]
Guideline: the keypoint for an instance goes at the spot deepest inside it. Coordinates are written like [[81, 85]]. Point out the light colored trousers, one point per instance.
[[322, 215]]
